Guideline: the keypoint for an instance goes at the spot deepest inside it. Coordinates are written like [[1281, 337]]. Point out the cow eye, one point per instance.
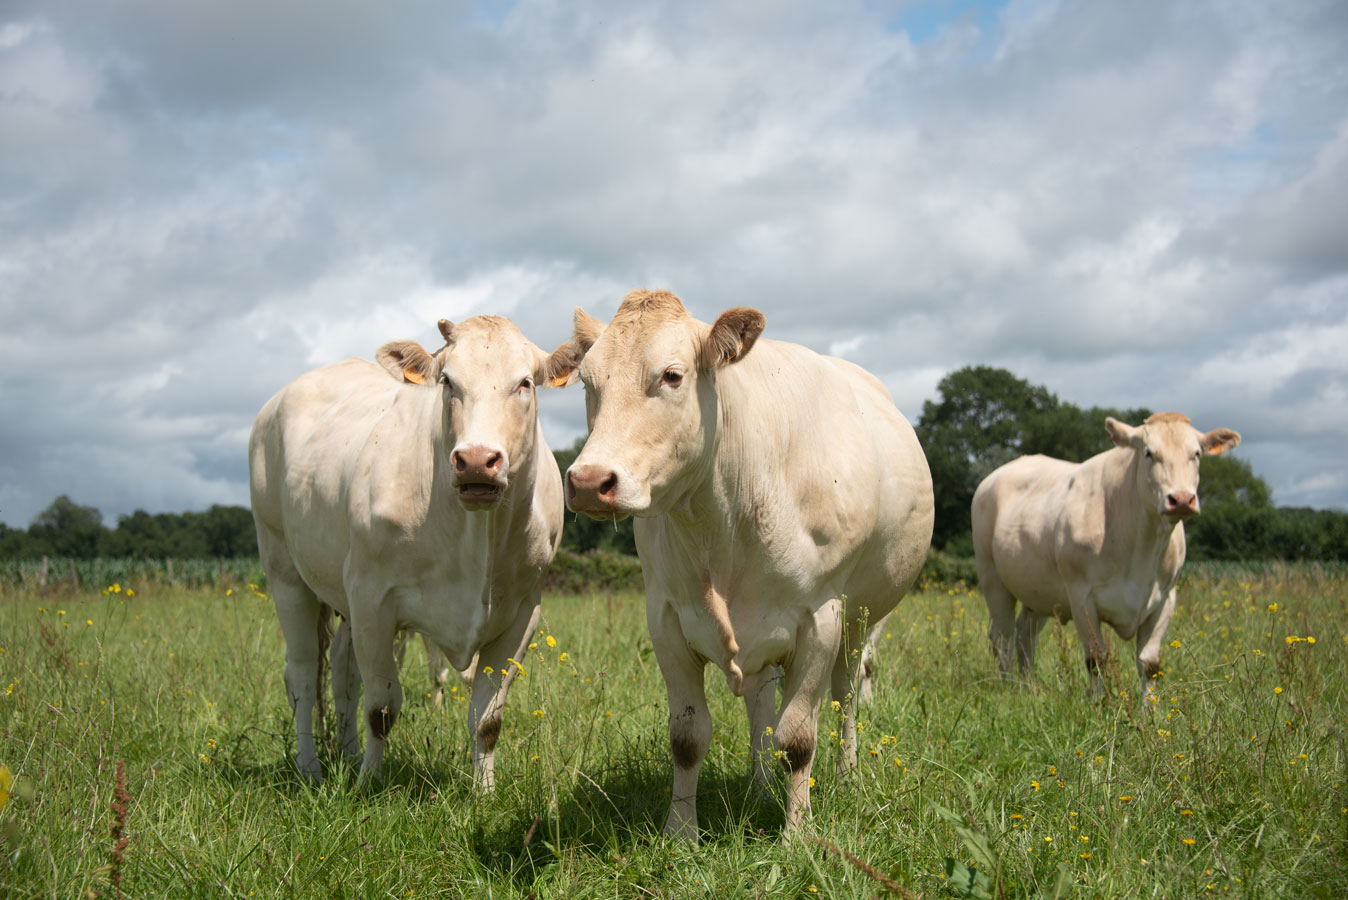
[[444, 379], [1149, 454], [672, 378], [526, 385]]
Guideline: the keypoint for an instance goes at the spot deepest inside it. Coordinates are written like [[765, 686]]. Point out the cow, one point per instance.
[[1097, 541], [782, 506], [412, 492]]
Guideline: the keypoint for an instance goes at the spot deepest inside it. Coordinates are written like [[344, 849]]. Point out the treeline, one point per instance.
[[984, 417], [68, 529]]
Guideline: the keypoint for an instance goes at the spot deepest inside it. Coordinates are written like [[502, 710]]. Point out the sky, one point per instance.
[[1131, 203]]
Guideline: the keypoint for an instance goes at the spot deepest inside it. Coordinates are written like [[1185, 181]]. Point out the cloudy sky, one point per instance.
[[1132, 203]]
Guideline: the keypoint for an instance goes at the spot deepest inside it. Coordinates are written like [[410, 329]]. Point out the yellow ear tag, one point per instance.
[[1218, 450], [560, 380], [414, 377]]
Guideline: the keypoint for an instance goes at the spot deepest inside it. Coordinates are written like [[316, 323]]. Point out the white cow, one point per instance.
[[1098, 541], [782, 502], [416, 493]]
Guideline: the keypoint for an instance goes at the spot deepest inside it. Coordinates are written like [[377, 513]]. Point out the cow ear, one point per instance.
[[588, 329], [1219, 440], [732, 337], [1123, 434], [561, 367], [408, 362]]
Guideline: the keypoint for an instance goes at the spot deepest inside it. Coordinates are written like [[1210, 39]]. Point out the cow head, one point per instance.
[[650, 402], [1166, 452], [487, 374]]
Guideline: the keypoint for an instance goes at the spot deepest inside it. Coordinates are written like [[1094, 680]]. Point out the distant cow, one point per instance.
[[1098, 541], [781, 501], [416, 493]]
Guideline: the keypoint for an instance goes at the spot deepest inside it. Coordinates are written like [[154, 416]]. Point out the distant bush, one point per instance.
[[595, 571]]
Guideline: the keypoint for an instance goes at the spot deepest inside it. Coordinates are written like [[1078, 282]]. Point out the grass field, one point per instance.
[[1233, 785]]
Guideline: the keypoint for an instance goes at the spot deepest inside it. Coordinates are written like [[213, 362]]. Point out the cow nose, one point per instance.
[[1183, 502], [478, 461], [591, 487]]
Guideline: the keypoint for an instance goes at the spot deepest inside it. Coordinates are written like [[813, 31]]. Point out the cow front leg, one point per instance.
[[1150, 636], [760, 702], [346, 692], [1087, 621], [1029, 624], [372, 637], [689, 718], [797, 730], [487, 705]]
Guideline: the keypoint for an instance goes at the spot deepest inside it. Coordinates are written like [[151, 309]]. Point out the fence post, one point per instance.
[[74, 578], [42, 574]]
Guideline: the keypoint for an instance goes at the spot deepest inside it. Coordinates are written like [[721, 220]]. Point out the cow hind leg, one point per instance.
[[760, 702], [845, 685], [866, 675], [346, 693], [437, 668], [1029, 625], [797, 731], [487, 705]]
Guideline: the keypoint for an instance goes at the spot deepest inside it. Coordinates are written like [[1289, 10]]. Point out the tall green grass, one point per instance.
[[1233, 785]]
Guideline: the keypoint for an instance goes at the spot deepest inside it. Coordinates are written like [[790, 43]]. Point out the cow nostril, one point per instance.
[[459, 464], [609, 487], [494, 461]]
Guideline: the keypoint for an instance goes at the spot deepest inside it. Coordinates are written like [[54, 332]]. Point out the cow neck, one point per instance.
[[1151, 532]]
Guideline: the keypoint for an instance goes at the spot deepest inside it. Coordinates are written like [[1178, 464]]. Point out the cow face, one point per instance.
[[488, 374], [651, 402], [1167, 450]]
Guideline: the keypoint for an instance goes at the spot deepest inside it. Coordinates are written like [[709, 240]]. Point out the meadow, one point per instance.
[[146, 747]]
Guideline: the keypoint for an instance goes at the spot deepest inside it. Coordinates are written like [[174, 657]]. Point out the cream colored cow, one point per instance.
[[781, 501], [417, 493], [1098, 541]]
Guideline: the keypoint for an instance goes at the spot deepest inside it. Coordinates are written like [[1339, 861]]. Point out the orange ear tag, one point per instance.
[[559, 380], [414, 377]]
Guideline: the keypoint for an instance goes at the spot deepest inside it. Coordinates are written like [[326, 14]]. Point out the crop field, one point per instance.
[[146, 749]]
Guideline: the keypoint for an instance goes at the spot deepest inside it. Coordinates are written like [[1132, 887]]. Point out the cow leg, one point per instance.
[[760, 702], [438, 670], [1001, 615], [847, 666], [299, 614], [1087, 621], [489, 689], [689, 719], [797, 729], [345, 692], [373, 639], [1028, 626], [866, 683], [1150, 636]]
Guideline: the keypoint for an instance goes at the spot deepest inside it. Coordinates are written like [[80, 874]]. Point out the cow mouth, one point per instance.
[[606, 514], [475, 493]]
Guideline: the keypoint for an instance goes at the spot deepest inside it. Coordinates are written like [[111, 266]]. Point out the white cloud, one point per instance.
[[1136, 204]]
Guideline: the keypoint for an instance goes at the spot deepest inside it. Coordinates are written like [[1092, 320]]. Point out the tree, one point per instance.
[[68, 529]]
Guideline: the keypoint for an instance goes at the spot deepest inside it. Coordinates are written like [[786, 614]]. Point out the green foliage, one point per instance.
[[601, 571], [1225, 788], [67, 529]]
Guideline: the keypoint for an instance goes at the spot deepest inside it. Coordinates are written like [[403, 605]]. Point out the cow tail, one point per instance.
[[324, 643]]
